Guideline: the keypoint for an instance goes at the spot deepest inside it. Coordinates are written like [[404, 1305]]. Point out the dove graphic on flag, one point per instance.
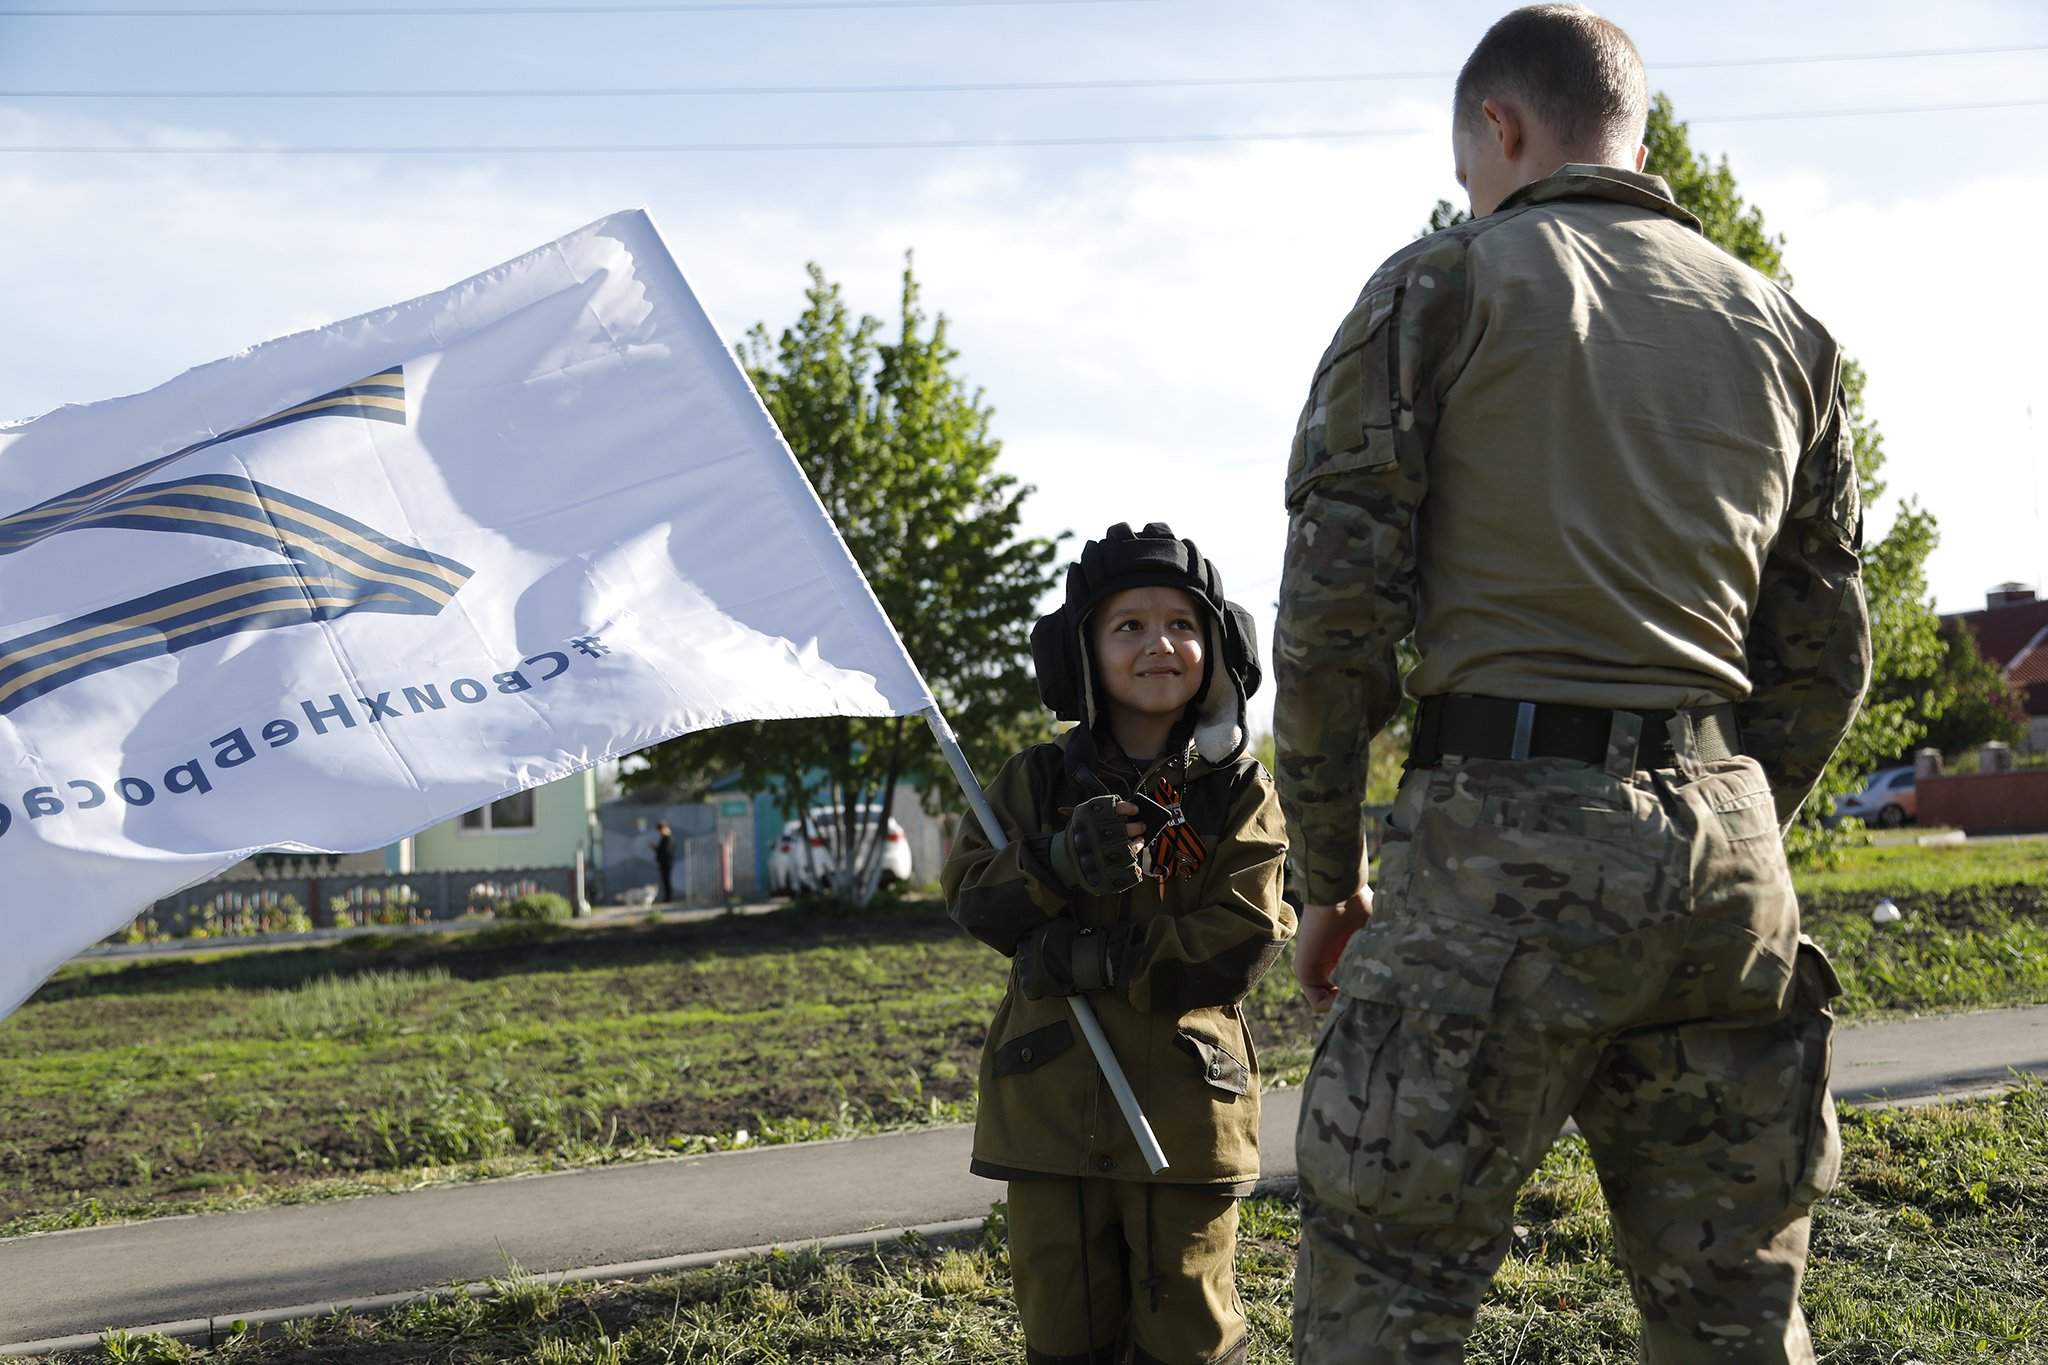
[[352, 582]]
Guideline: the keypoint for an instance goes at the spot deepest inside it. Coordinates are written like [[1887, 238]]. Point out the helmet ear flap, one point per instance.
[[1055, 645], [1241, 647]]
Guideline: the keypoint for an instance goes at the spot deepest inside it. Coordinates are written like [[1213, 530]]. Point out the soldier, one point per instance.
[[1165, 932], [1603, 472]]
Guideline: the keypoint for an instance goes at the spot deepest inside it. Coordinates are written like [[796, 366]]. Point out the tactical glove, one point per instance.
[[1092, 855], [1061, 958]]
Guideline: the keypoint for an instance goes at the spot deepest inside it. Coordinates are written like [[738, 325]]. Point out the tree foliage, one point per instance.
[[901, 454]]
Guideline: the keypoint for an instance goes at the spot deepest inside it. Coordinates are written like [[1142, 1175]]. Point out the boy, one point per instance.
[[1165, 934]]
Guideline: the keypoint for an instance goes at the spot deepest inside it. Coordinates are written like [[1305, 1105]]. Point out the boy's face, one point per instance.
[[1148, 646]]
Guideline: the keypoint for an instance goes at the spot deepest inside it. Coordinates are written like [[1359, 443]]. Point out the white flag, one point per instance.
[[350, 583]]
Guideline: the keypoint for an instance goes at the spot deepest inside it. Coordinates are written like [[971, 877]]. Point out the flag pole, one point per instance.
[[1084, 1013]]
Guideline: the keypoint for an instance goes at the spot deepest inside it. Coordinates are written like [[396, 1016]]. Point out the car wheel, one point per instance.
[[1892, 816]]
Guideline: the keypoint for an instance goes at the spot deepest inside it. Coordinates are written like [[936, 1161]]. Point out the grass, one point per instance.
[[135, 1088], [1884, 867], [1934, 1249]]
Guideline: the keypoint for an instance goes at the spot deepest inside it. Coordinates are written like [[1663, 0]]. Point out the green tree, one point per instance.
[[900, 452]]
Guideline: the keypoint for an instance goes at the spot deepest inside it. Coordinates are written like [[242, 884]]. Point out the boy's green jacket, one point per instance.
[[1187, 950]]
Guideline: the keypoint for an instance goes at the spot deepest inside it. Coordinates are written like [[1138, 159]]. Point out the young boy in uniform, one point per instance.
[[1165, 930]]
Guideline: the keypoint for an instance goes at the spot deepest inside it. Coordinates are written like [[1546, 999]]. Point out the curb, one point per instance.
[[212, 1331]]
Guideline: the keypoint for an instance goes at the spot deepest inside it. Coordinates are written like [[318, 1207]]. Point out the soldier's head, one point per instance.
[[1547, 85]]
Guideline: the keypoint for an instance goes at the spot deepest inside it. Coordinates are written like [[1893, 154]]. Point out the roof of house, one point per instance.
[[2004, 632]]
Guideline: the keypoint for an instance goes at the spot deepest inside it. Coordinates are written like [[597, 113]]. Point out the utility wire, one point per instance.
[[914, 144], [952, 87], [412, 11]]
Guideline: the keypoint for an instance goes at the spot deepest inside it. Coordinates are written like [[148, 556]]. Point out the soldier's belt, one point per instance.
[[1498, 728]]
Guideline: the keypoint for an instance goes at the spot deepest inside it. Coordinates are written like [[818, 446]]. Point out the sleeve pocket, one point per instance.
[[1349, 421]]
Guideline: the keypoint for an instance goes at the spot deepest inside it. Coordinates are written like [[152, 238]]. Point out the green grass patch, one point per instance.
[[1933, 1250], [1889, 867], [227, 1079]]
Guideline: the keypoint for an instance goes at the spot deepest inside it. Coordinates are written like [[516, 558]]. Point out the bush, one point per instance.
[[540, 907]]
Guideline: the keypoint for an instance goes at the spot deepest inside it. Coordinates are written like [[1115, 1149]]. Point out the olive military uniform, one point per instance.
[[1603, 472], [1099, 1246]]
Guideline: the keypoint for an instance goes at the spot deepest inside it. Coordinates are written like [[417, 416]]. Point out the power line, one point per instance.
[[918, 144], [438, 11], [954, 87]]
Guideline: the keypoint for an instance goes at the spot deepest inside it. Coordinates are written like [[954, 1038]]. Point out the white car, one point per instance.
[[1887, 800], [795, 866]]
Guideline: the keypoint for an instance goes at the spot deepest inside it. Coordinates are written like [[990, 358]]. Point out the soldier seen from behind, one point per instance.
[[1602, 471], [1164, 932]]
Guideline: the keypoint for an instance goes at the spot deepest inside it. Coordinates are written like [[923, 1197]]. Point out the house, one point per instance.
[[2012, 632], [541, 827]]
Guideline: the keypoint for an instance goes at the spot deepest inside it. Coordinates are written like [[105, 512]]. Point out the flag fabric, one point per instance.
[[353, 582]]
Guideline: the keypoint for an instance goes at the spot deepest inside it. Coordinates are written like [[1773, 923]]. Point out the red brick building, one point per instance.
[[2012, 632]]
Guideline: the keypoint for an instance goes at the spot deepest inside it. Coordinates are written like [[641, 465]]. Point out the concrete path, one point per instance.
[[227, 1265]]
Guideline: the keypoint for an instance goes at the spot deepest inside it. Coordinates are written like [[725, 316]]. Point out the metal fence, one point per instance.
[[282, 905]]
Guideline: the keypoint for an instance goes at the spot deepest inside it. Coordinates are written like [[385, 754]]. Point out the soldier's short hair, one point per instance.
[[1566, 66]]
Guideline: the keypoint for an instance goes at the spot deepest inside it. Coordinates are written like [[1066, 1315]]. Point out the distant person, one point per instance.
[[1164, 934], [1603, 471], [665, 860]]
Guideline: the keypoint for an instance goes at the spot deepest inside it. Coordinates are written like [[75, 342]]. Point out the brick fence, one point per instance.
[[1983, 803]]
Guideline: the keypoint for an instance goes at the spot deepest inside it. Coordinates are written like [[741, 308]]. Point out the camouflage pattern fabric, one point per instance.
[[1584, 456], [1185, 951], [1104, 1266], [1551, 942], [1809, 645]]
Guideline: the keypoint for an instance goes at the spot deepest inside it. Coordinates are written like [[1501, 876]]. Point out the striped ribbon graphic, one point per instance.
[[333, 564]]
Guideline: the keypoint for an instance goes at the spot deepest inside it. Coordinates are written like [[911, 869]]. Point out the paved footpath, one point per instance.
[[345, 1251]]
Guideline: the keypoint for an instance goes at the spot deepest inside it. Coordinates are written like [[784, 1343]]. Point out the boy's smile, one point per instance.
[[1148, 646]]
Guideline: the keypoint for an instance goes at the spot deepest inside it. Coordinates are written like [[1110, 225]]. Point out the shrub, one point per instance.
[[539, 907]]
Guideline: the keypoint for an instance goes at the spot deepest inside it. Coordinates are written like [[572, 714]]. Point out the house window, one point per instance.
[[513, 812]]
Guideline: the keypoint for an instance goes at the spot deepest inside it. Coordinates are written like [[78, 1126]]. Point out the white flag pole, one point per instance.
[[1084, 1013]]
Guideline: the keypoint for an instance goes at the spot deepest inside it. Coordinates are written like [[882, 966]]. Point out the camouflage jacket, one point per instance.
[[1188, 950], [1585, 457]]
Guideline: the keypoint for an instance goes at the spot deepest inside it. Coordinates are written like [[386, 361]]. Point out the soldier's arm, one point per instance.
[[1355, 482], [1215, 954], [1000, 896], [1809, 640]]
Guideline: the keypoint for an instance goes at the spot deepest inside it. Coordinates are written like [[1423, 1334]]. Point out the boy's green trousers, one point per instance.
[[1100, 1266]]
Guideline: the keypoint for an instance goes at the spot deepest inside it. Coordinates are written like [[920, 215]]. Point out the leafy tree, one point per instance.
[[900, 452]]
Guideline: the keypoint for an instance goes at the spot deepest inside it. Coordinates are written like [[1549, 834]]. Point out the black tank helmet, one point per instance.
[[1150, 558]]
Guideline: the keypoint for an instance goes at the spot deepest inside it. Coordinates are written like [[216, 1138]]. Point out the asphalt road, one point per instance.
[[226, 1265]]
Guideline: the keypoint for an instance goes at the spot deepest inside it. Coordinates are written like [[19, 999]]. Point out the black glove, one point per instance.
[[1061, 958], [1092, 855]]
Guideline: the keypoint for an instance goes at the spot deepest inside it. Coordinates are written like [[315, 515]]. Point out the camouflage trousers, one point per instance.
[[1548, 943], [1107, 1271]]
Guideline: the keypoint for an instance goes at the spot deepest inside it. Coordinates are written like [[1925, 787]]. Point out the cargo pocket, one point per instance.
[[1389, 1122], [1029, 1051], [1218, 1068], [1814, 985]]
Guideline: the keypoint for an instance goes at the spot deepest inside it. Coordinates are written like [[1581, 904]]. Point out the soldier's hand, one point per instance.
[[1325, 929], [1097, 853]]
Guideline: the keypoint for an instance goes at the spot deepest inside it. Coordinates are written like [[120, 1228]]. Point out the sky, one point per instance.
[[1144, 316]]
